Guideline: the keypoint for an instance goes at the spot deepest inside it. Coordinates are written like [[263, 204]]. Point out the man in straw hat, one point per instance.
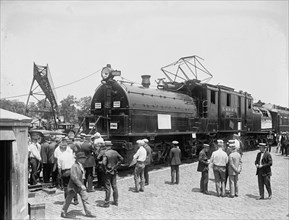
[[219, 159], [203, 166], [263, 164], [76, 186], [234, 169], [148, 161], [139, 157]]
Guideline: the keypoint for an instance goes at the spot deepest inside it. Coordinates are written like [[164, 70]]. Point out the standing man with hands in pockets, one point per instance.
[[263, 164], [203, 166]]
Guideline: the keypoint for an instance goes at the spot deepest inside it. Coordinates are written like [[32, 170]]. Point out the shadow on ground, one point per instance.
[[252, 196], [75, 214]]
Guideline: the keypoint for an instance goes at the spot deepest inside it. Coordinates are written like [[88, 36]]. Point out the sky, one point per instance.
[[244, 44]]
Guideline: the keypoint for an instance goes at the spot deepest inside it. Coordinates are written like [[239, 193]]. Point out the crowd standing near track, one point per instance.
[[70, 156]]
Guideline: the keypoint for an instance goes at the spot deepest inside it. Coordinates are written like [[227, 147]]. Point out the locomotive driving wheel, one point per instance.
[[161, 152]]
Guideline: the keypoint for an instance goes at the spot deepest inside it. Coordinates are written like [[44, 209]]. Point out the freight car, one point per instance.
[[191, 112]]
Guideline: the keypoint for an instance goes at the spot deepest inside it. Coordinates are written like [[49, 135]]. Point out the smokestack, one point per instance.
[[146, 81]]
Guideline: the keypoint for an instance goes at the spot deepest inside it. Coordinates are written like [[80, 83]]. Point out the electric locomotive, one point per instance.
[[191, 112]]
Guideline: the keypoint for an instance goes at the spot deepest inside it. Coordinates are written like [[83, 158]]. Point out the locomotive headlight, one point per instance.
[[105, 72]]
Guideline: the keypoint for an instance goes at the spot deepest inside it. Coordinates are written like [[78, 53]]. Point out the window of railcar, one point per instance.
[[213, 97], [249, 103], [228, 99], [265, 113]]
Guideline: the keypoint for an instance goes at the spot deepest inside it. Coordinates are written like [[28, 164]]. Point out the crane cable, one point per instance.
[[57, 86]]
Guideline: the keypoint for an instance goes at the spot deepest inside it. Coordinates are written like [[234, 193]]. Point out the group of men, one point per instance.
[[226, 163], [74, 160], [142, 160], [283, 143]]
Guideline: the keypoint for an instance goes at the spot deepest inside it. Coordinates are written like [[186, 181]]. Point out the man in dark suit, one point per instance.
[[263, 164], [76, 185], [203, 166], [111, 160], [148, 161], [175, 161], [44, 157], [88, 165]]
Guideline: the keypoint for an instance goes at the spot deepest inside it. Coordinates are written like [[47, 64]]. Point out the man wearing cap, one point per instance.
[[263, 164], [76, 186], [235, 167], [148, 161], [51, 160], [175, 161], [44, 158], [111, 161], [87, 148], [139, 157], [65, 161], [99, 150], [203, 166], [219, 159]]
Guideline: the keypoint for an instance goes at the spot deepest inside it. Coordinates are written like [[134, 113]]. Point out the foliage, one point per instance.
[[13, 106], [84, 106], [70, 108]]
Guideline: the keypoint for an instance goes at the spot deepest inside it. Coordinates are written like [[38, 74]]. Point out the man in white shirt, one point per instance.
[[219, 159], [65, 161], [34, 159], [139, 157], [97, 138]]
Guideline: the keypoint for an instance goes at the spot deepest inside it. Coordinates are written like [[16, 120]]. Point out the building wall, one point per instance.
[[19, 188]]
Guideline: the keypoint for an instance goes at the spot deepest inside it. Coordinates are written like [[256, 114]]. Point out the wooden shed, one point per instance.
[[13, 165]]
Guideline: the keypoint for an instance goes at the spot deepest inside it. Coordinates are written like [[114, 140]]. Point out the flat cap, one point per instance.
[[107, 143], [80, 155]]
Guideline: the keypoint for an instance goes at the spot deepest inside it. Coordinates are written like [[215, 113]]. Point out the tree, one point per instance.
[[68, 110], [84, 106], [13, 106]]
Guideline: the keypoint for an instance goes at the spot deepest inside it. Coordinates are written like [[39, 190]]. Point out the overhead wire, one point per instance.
[[73, 82]]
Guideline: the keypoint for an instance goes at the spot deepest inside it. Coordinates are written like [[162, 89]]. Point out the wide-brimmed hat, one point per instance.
[[145, 140], [140, 142], [96, 135], [220, 142], [80, 155], [262, 145], [206, 145], [232, 143], [175, 142]]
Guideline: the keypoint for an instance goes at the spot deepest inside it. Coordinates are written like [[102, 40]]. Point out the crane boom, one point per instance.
[[42, 76]]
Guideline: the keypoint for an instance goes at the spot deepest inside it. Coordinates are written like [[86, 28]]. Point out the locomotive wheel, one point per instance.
[[162, 152]]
